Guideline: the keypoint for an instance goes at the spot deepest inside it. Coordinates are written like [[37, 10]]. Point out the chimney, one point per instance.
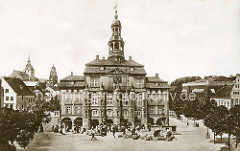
[[156, 75], [97, 57], [130, 57], [71, 73], [21, 87]]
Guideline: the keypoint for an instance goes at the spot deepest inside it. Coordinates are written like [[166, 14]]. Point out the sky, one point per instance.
[[174, 38]]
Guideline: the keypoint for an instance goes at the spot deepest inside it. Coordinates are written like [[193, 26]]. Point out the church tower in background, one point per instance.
[[29, 68], [53, 78]]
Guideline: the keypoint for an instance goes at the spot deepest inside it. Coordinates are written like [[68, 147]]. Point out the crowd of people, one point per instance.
[[64, 129], [103, 130]]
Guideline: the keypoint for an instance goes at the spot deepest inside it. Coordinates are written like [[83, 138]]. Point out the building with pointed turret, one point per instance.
[[29, 68], [53, 78], [114, 90], [27, 75]]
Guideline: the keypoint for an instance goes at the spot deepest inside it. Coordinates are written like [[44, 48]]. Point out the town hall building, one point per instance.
[[114, 90]]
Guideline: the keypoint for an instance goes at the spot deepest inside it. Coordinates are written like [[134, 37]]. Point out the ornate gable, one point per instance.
[[117, 71]]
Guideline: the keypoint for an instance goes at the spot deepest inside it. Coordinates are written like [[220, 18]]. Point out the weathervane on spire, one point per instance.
[[115, 7], [29, 57]]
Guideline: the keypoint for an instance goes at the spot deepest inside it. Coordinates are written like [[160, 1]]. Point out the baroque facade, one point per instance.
[[114, 90]]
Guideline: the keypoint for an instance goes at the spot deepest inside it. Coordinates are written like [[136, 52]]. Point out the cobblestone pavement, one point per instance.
[[191, 139]]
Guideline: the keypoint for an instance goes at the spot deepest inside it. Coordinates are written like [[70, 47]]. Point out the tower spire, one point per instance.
[[29, 57], [116, 15]]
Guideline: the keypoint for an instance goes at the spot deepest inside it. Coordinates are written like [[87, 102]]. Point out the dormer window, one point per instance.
[[101, 68]]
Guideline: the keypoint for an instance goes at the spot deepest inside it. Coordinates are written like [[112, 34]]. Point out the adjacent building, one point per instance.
[[235, 95], [17, 95], [72, 102], [1, 93], [223, 97], [228, 95], [204, 89]]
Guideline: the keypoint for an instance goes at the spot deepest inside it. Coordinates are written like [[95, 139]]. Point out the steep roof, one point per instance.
[[155, 82], [18, 86], [22, 75], [137, 70], [72, 81], [73, 78], [224, 92], [97, 62], [154, 79], [173, 88], [106, 62], [157, 85]]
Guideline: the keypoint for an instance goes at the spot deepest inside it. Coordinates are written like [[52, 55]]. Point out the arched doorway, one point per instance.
[[127, 123], [137, 122], [109, 122], [150, 121], [67, 122], [78, 121], [159, 121], [94, 123]]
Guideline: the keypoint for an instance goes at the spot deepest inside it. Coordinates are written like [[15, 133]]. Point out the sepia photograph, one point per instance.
[[118, 75]]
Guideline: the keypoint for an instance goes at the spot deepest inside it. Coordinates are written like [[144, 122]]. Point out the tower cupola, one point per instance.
[[116, 43]]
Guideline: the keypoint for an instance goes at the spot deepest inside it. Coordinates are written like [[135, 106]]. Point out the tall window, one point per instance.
[[109, 113], [138, 113], [139, 99], [7, 98], [94, 98], [125, 113], [7, 91], [151, 110], [68, 109], [109, 99], [78, 110], [94, 82], [94, 113], [160, 110], [139, 83], [11, 98]]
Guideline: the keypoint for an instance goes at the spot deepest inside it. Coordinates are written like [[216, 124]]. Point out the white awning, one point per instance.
[[198, 90]]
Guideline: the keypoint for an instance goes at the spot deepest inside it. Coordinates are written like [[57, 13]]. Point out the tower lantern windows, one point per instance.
[[116, 43], [119, 45]]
